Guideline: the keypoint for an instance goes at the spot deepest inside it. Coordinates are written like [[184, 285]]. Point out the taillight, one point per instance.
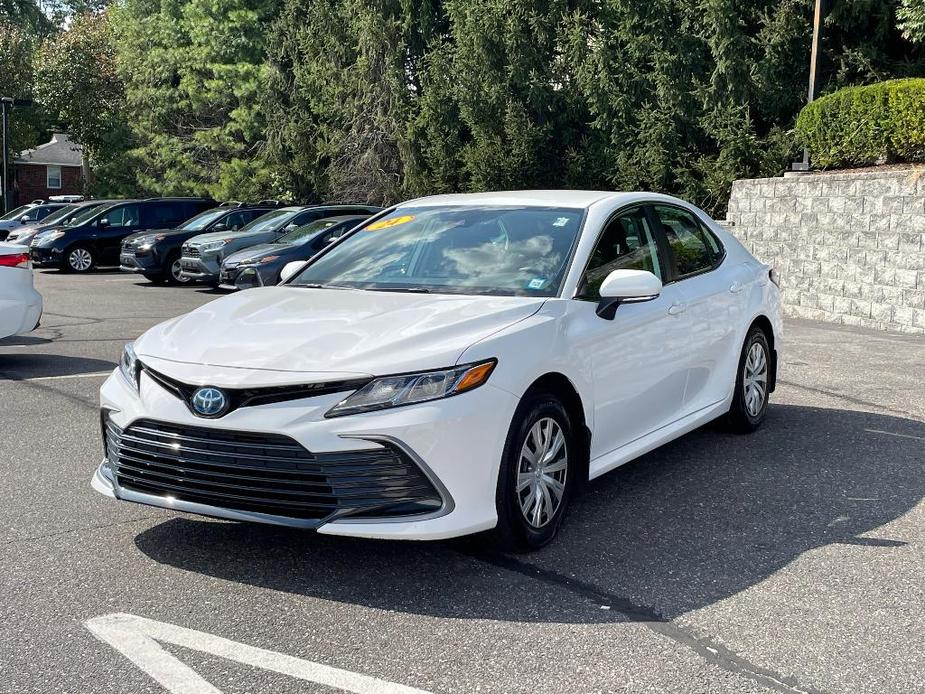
[[775, 276], [15, 260]]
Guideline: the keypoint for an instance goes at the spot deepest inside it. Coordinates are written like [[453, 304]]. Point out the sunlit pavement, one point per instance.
[[790, 560]]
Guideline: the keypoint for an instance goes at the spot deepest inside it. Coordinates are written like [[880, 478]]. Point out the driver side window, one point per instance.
[[627, 243]]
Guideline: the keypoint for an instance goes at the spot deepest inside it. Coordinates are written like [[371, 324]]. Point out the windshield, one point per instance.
[[304, 233], [271, 221], [84, 215], [16, 214], [461, 250], [59, 214], [203, 219]]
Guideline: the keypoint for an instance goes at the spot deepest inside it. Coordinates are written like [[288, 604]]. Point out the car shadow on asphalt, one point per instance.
[[683, 527], [18, 367]]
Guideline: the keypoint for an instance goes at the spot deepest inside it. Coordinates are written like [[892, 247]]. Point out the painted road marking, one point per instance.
[[893, 433], [95, 374], [137, 639]]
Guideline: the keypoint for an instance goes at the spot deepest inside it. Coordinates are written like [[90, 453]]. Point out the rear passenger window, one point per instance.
[[694, 248], [626, 244]]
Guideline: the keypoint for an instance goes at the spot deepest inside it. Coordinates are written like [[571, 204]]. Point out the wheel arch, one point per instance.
[[562, 387], [764, 323]]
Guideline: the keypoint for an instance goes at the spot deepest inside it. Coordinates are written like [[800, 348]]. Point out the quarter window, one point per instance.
[[626, 244], [694, 248]]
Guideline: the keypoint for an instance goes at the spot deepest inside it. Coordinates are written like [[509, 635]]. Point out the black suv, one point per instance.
[[97, 238], [156, 254]]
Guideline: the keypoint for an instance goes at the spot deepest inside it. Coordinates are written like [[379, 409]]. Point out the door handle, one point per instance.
[[736, 287], [676, 308]]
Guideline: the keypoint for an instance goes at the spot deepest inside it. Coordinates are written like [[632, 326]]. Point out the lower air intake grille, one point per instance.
[[266, 473]]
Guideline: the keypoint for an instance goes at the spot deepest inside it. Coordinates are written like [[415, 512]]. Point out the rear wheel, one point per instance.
[[538, 473], [78, 259], [750, 401]]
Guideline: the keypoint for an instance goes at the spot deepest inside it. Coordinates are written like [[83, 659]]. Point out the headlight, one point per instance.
[[47, 238], [212, 246], [128, 365], [408, 389]]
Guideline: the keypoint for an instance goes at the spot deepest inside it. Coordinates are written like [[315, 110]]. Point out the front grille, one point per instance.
[[191, 252], [266, 473]]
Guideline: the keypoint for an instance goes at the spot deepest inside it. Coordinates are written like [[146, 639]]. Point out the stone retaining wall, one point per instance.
[[850, 247]]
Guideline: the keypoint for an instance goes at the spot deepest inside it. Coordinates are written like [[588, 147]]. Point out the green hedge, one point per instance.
[[860, 126]]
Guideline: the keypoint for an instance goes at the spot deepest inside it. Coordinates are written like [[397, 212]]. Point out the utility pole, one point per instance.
[[6, 103], [818, 16]]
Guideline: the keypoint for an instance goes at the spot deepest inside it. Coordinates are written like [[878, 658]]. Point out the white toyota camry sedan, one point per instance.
[[457, 364], [20, 304]]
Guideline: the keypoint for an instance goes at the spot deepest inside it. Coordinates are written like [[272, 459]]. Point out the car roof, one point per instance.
[[337, 219], [530, 198], [540, 198]]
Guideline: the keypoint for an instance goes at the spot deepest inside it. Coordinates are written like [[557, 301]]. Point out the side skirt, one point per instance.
[[632, 450]]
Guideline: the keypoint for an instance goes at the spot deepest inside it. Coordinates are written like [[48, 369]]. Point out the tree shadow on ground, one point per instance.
[[683, 527]]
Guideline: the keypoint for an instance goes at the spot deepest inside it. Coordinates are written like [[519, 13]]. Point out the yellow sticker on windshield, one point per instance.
[[393, 222]]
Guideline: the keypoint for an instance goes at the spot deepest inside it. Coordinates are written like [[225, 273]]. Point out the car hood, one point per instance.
[[254, 252], [318, 331], [221, 235]]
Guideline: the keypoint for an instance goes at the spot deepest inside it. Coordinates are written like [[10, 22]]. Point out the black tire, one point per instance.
[[746, 415], [172, 271], [79, 259], [514, 531], [154, 279]]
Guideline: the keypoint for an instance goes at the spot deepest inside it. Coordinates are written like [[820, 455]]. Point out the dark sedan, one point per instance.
[[260, 265]]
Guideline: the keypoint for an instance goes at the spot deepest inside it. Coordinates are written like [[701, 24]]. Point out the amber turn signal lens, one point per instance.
[[475, 376]]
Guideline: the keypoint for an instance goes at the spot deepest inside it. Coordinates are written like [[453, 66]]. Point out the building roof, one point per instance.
[[61, 151]]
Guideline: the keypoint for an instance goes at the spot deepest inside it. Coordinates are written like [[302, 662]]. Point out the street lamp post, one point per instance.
[[6, 103], [813, 65]]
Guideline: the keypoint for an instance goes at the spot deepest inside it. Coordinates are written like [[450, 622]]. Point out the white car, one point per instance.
[[457, 364], [20, 304]]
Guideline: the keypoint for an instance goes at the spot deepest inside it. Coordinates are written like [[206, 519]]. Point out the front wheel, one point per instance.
[[750, 401], [78, 259], [538, 473], [174, 271]]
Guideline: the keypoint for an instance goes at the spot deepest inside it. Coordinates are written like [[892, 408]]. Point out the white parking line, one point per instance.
[[893, 433], [136, 638], [95, 374]]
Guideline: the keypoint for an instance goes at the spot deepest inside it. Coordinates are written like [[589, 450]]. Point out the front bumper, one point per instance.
[[204, 269], [131, 262], [456, 442], [45, 256]]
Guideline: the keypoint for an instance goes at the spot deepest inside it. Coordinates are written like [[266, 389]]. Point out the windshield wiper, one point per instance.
[[315, 285], [410, 290]]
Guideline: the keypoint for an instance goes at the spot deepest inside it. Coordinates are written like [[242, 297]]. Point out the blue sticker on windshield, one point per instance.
[[536, 283]]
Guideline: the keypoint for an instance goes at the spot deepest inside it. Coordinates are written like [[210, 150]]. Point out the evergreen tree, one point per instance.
[[193, 75]]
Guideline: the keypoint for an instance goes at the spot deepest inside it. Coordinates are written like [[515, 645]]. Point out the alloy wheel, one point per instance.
[[755, 379], [80, 259], [541, 472], [175, 272]]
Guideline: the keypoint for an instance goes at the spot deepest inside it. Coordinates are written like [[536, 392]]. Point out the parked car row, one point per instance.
[[180, 240]]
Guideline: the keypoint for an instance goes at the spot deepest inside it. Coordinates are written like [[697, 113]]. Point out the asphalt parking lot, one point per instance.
[[791, 560]]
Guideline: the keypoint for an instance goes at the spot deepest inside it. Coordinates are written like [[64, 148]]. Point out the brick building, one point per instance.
[[55, 168]]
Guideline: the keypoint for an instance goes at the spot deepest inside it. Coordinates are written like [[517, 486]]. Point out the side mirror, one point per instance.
[[626, 287], [289, 269], [331, 240], [220, 227], [104, 222], [24, 219]]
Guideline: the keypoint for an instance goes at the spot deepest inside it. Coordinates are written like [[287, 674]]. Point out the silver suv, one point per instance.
[[201, 257]]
